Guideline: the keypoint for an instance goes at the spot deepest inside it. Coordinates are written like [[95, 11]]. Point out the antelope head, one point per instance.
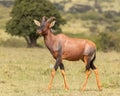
[[44, 25]]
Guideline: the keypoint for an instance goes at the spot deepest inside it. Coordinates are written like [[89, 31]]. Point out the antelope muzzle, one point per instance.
[[39, 32]]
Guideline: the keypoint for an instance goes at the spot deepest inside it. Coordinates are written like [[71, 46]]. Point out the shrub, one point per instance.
[[108, 41], [92, 15]]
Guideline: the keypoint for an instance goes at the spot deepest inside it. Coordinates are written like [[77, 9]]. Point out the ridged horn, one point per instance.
[[44, 18], [50, 19]]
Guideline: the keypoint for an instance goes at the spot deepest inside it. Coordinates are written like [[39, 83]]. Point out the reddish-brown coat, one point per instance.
[[72, 48]]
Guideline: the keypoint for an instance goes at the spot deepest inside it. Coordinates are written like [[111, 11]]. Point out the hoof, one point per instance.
[[49, 88], [66, 89], [100, 87], [82, 89]]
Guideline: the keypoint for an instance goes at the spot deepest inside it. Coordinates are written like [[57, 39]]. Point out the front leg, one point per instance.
[[64, 76], [58, 56], [58, 61]]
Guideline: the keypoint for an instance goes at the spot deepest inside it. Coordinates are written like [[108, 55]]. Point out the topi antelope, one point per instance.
[[72, 49]]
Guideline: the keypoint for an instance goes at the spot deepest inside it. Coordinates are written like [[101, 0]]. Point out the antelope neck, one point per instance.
[[49, 39]]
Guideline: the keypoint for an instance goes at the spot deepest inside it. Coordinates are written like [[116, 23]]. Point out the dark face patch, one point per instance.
[[42, 28]]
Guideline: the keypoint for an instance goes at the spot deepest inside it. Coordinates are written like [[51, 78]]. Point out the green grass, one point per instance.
[[26, 72]]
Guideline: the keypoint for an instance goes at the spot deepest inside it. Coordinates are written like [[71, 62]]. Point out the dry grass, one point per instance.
[[26, 72]]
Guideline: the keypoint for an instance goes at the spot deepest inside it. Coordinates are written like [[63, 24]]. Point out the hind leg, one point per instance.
[[96, 75], [87, 62]]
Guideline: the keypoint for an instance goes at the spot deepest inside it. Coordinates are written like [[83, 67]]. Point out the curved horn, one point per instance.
[[44, 18], [50, 19]]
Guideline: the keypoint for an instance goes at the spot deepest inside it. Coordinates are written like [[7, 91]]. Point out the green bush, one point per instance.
[[92, 15], [108, 41], [113, 27]]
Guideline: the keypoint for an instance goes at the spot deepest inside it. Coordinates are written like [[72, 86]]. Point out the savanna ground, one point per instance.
[[26, 72]]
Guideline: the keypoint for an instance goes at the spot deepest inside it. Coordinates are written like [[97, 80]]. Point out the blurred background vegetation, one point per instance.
[[97, 20]]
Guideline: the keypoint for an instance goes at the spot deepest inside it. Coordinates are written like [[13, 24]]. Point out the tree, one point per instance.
[[24, 11]]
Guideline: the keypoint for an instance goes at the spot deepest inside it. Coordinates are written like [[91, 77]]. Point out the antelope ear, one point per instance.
[[36, 22], [52, 24]]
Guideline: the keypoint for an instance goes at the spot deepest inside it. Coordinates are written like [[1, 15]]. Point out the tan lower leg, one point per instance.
[[97, 79], [65, 81], [51, 79], [86, 79]]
